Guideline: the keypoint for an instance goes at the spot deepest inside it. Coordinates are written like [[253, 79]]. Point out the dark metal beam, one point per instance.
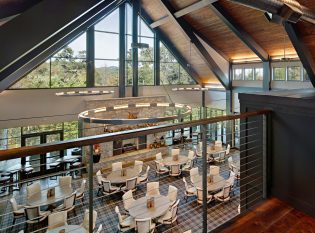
[[157, 78], [266, 76], [188, 32], [170, 46], [90, 56], [41, 44], [122, 50], [239, 31], [135, 82], [301, 49]]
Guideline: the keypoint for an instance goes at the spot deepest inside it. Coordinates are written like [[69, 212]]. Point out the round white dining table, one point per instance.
[[41, 199], [116, 177], [68, 229], [139, 208], [217, 184], [168, 161]]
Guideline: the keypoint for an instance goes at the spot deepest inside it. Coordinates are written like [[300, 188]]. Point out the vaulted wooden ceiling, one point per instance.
[[271, 37]]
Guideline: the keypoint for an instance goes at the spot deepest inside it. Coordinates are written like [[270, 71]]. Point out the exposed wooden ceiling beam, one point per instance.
[[301, 49], [182, 12], [189, 34], [239, 31]]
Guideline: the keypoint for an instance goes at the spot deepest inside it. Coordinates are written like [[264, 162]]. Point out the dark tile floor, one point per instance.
[[189, 213]]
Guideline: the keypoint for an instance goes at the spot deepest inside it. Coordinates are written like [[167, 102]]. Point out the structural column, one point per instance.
[[135, 10], [90, 56], [122, 51], [266, 76], [157, 78]]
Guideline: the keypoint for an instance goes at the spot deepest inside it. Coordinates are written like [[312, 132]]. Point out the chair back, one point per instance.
[[120, 219], [191, 155], [31, 212], [222, 156], [147, 171], [106, 186], [153, 189], [143, 225], [157, 165], [214, 170], [57, 219], [234, 169], [86, 220], [116, 166], [230, 162], [139, 165], [131, 183], [82, 187], [128, 200], [194, 175], [175, 152], [65, 181], [228, 149], [99, 177], [172, 193], [231, 179], [226, 190], [175, 169], [14, 204], [33, 189], [99, 229], [69, 201], [175, 209], [158, 156], [185, 182]]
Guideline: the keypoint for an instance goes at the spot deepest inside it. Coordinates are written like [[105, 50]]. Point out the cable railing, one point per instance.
[[240, 171]]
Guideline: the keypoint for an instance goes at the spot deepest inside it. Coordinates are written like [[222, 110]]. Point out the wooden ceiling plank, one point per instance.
[[189, 34], [239, 31], [160, 22], [301, 49]]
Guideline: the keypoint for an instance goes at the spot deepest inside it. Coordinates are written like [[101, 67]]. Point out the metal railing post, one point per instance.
[[204, 177], [266, 149], [90, 170]]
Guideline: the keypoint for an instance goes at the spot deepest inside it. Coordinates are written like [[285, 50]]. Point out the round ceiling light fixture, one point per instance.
[[171, 111], [83, 93]]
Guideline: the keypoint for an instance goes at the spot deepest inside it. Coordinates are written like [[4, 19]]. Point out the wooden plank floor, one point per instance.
[[273, 216]]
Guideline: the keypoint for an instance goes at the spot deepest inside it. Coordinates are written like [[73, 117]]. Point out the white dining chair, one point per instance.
[[231, 181], [143, 178], [175, 152], [33, 189], [236, 171], [189, 231], [85, 223], [159, 157], [116, 166], [108, 189], [230, 162], [125, 222], [18, 210], [160, 169], [225, 194], [153, 189], [65, 181], [194, 175], [99, 229], [79, 193], [220, 157], [172, 194], [144, 225], [200, 196], [57, 219], [68, 204], [188, 166], [34, 215], [138, 165], [214, 170], [227, 151], [191, 155], [190, 191], [171, 215], [131, 184], [99, 179], [128, 200], [175, 170]]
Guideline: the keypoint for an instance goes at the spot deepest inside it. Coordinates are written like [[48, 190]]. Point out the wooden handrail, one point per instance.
[[86, 141]]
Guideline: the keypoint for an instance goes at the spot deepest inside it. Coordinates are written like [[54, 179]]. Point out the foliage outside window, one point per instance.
[[238, 74], [10, 138], [259, 72], [279, 73], [248, 74], [294, 73], [67, 68]]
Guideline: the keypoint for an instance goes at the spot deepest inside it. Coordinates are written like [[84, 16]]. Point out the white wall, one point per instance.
[[42, 106]]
